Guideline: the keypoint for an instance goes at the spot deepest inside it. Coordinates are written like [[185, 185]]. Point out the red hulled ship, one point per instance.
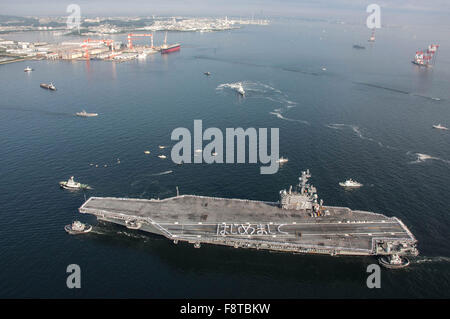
[[169, 48]]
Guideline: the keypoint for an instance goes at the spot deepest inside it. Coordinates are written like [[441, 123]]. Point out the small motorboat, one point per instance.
[[48, 86], [27, 69], [207, 73], [147, 152], [85, 114], [350, 183], [71, 184], [282, 160], [240, 89], [440, 127], [162, 156], [78, 227]]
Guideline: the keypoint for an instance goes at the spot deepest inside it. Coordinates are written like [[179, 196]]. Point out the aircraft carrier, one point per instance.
[[298, 223]]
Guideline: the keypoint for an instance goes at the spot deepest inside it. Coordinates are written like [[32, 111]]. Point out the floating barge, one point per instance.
[[298, 223]]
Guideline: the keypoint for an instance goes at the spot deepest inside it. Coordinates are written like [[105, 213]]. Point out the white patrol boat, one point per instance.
[[71, 184], [85, 114], [350, 183]]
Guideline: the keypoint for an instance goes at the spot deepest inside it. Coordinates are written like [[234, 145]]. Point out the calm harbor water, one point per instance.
[[365, 114]]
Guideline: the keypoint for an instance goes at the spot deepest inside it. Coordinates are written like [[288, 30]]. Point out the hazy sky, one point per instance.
[[261, 8]]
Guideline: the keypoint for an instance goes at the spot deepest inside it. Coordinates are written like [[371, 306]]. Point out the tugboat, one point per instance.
[[27, 69], [48, 86], [350, 183], [77, 227], [71, 184], [85, 114], [133, 224], [440, 127], [393, 261]]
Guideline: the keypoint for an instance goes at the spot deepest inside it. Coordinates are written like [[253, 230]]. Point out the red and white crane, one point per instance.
[[108, 42], [133, 35]]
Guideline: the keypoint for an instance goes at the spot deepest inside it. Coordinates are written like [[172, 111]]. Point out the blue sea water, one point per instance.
[[365, 114]]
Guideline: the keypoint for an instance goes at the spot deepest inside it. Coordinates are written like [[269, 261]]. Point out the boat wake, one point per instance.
[[437, 259], [258, 90], [238, 87], [398, 91], [422, 158], [357, 131], [162, 173], [280, 116]]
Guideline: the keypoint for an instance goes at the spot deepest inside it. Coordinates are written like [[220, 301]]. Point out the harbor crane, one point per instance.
[[133, 35], [108, 42]]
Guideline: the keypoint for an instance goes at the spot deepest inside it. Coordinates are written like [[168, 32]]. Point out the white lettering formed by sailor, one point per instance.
[[225, 229]]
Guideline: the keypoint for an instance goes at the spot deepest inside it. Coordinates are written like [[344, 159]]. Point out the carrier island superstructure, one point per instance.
[[299, 222]]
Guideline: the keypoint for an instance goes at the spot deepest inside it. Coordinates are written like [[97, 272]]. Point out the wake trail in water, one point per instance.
[[260, 90], [22, 109], [398, 91], [287, 69], [437, 259], [357, 131], [280, 116], [162, 173], [422, 158]]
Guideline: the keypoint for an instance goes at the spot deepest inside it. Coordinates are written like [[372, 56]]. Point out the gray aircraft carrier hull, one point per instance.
[[260, 225]]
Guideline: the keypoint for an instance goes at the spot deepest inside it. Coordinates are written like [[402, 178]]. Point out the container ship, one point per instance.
[[426, 58], [298, 223]]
